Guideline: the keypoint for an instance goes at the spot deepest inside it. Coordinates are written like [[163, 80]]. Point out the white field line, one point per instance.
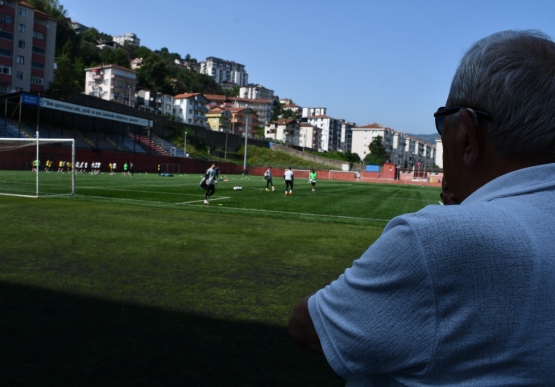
[[211, 200], [191, 203], [295, 213]]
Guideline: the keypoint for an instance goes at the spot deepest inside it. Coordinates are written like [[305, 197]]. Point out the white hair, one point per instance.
[[511, 75]]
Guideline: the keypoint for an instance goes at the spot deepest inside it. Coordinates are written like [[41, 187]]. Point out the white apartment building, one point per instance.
[[331, 131], [286, 130], [309, 112], [191, 108], [225, 71], [405, 151], [155, 102], [364, 135], [111, 83], [255, 92], [309, 136], [346, 138], [27, 46], [438, 155], [398, 154], [128, 37], [418, 151]]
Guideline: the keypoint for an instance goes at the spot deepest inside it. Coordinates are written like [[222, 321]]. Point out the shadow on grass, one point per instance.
[[51, 338]]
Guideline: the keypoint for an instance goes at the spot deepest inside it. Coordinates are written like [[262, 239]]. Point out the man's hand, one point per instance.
[[301, 327]]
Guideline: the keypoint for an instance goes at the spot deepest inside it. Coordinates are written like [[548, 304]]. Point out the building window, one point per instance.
[[21, 44], [22, 28], [39, 50], [6, 35], [6, 52], [6, 19], [19, 75], [22, 12], [37, 65], [38, 35], [5, 70], [20, 59], [37, 80]]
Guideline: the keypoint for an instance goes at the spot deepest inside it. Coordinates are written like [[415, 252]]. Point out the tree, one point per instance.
[[66, 80], [378, 155], [233, 92], [276, 110]]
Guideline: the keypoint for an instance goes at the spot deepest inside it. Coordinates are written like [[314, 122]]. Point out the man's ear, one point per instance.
[[469, 137]]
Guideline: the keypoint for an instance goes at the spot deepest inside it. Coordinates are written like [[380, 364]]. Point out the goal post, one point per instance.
[[33, 167], [301, 173], [170, 169]]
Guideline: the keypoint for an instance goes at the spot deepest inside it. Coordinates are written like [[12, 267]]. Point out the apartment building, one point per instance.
[[27, 46], [77, 27], [285, 129], [310, 112], [191, 108], [309, 136], [346, 136], [112, 83], [255, 92], [262, 107], [225, 71], [243, 120], [405, 151], [219, 119], [362, 137], [129, 38], [438, 154], [155, 102], [331, 131]]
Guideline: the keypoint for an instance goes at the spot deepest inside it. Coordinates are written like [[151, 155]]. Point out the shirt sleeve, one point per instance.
[[379, 315]]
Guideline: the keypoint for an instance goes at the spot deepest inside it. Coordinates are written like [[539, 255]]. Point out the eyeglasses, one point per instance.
[[443, 112]]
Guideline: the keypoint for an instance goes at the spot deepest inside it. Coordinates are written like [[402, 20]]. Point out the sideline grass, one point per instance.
[[136, 282]]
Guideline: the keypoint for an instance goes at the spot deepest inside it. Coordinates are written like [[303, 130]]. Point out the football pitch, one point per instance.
[[136, 282]]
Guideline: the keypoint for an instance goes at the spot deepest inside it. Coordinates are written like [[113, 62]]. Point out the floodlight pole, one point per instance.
[[246, 133], [37, 165]]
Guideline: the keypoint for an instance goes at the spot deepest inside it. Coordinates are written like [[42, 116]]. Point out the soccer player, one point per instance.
[[312, 179], [288, 177], [125, 167], [115, 168], [268, 177], [131, 169], [210, 186]]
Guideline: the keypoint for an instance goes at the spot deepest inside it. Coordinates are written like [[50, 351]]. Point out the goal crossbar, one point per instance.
[[27, 166]]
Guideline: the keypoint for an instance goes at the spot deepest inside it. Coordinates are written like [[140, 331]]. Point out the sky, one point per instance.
[[367, 61]]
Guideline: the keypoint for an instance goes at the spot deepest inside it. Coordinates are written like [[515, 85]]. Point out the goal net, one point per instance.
[[37, 167], [344, 175], [171, 169], [301, 173]]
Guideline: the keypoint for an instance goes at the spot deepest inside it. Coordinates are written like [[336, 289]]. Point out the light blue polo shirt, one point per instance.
[[452, 295]]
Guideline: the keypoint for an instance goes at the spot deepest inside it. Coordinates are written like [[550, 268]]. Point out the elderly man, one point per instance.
[[461, 295]]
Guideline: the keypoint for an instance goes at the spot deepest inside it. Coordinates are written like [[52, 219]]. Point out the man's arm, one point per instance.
[[301, 327]]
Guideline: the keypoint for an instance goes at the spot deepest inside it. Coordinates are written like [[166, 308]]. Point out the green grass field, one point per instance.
[[136, 282]]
